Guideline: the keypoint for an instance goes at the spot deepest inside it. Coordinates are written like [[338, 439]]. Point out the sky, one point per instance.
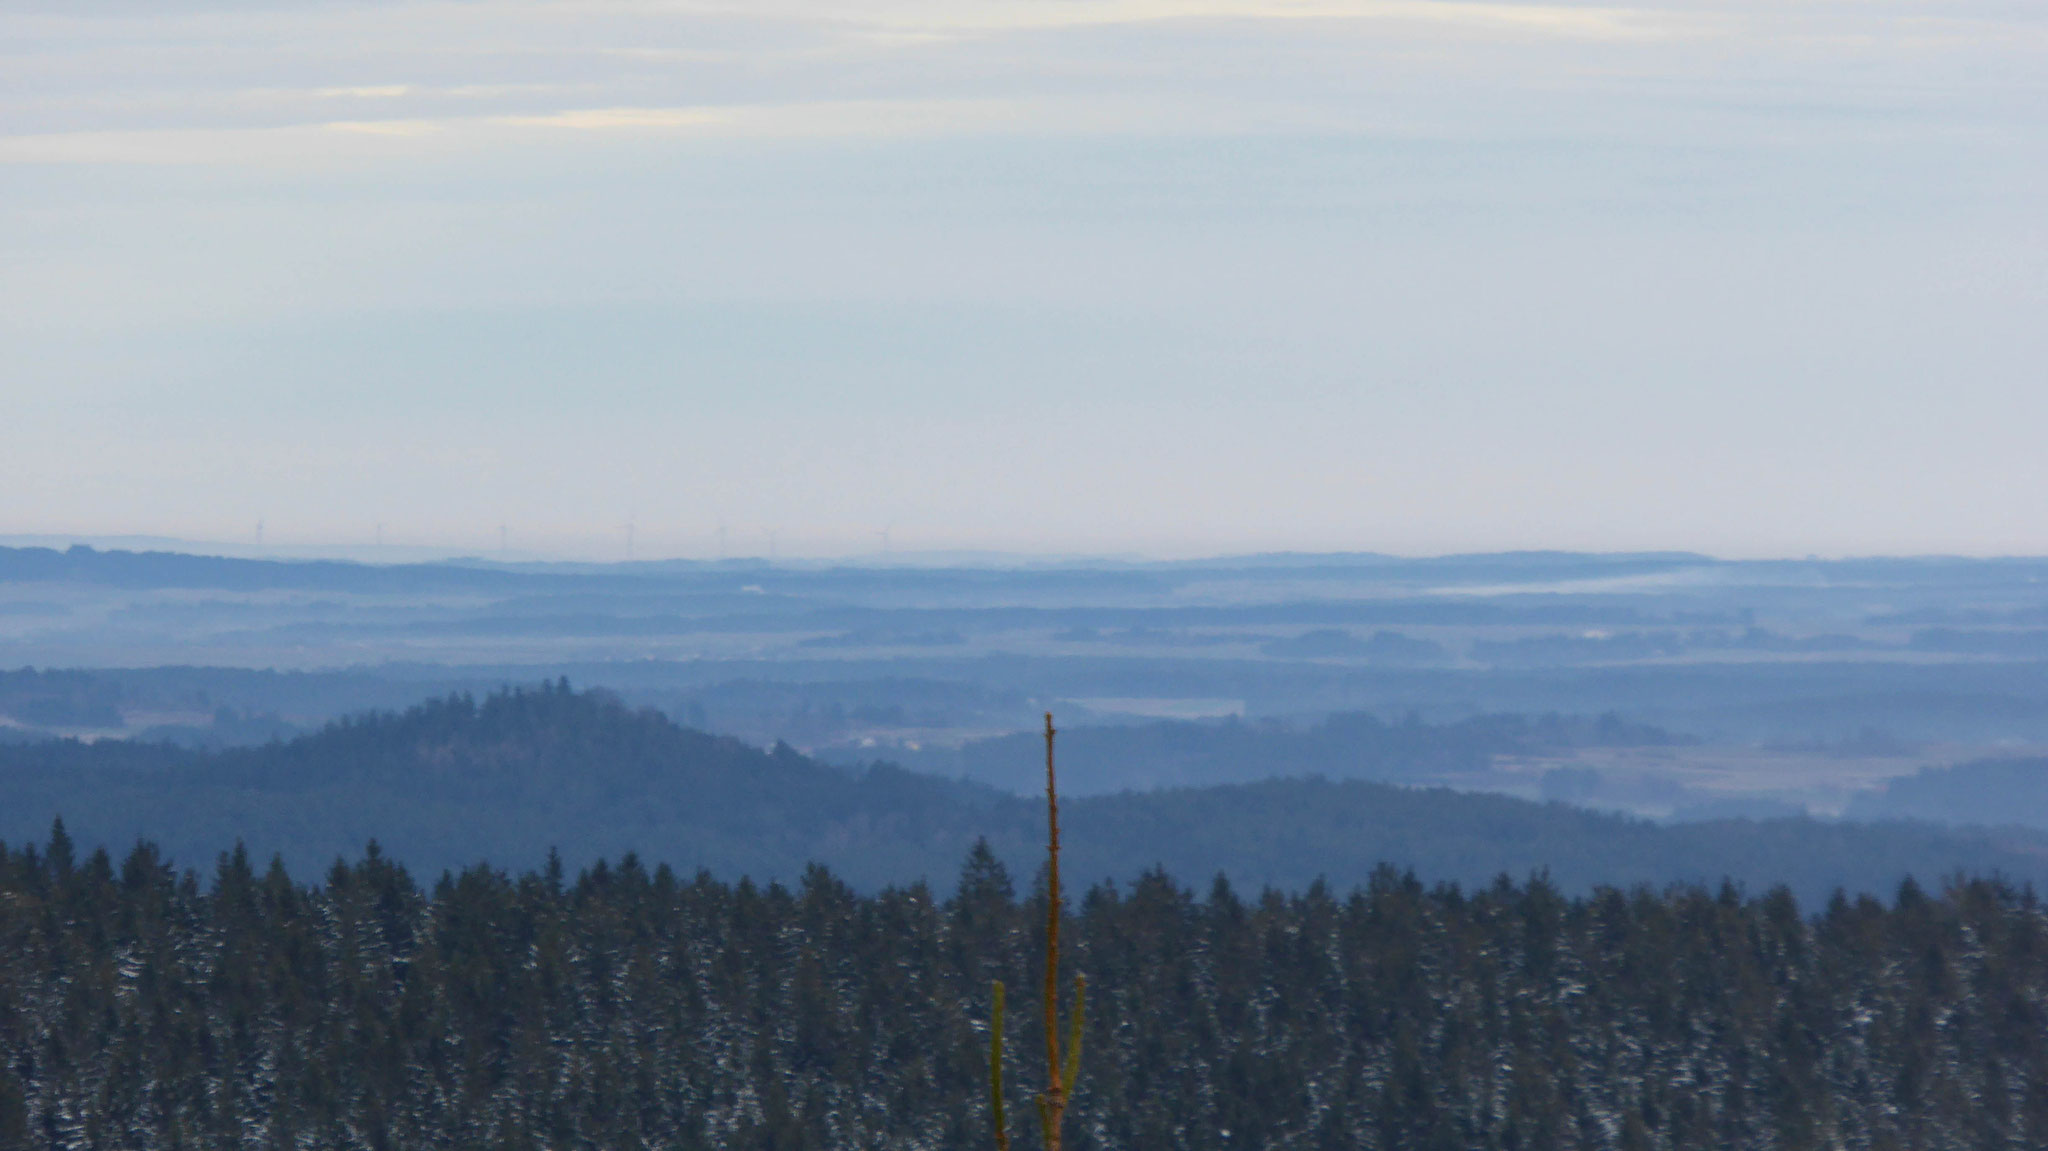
[[1135, 277]]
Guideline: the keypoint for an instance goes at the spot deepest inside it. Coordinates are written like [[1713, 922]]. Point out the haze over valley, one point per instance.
[[1360, 575], [1673, 687]]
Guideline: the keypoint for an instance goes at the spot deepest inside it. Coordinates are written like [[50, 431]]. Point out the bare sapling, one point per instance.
[[1060, 1069]]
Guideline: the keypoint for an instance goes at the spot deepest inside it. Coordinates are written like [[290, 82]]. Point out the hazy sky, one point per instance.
[[1137, 276]]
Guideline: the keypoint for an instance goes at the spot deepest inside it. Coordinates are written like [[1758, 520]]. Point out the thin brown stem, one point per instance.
[[1055, 1095]]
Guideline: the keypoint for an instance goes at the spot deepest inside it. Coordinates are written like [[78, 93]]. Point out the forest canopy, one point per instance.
[[627, 1007]]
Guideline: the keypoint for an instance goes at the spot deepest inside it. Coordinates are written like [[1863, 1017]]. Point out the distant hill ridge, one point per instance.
[[163, 569], [505, 779]]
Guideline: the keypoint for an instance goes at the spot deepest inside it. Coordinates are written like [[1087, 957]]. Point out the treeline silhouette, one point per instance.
[[142, 1008]]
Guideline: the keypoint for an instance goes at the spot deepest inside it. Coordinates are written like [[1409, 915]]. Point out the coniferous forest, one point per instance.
[[144, 1007]]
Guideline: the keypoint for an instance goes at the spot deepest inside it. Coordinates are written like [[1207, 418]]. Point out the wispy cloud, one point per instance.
[[605, 119], [366, 92], [1570, 21], [154, 85], [344, 140], [400, 128], [183, 66]]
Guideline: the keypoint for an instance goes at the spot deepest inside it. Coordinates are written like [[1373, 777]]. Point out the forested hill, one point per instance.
[[454, 782], [504, 780]]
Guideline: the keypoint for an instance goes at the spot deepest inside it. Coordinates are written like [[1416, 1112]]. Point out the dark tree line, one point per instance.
[[143, 1008]]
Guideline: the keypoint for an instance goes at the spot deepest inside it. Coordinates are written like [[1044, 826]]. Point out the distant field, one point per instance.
[[1704, 779], [1787, 686]]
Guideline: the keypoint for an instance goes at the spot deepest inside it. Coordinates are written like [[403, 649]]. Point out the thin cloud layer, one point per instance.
[[1314, 65], [1070, 274]]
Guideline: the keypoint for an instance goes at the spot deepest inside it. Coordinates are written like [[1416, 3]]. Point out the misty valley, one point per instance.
[[1506, 851], [1671, 687], [1023, 575]]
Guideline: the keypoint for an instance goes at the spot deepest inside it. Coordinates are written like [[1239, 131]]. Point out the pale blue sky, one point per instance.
[[1134, 276]]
